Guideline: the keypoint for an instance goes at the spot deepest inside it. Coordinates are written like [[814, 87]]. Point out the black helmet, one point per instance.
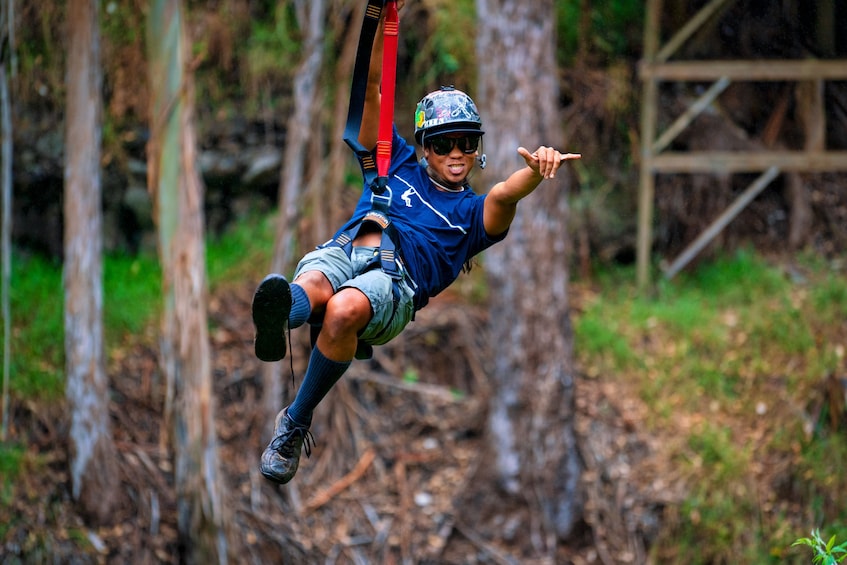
[[446, 110]]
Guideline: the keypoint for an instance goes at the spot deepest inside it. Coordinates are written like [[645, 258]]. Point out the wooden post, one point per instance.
[[649, 108], [810, 107]]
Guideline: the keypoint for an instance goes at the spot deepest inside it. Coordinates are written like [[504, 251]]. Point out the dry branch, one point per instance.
[[326, 495], [437, 391]]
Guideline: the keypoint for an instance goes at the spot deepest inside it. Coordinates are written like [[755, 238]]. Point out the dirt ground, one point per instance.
[[395, 476]]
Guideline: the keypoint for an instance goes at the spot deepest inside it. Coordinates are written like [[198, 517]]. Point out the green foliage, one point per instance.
[[40, 43], [713, 449], [12, 462], [121, 22], [616, 27], [722, 356], [445, 51], [273, 45], [243, 252], [411, 376], [740, 278], [830, 298], [714, 521], [595, 335], [825, 553], [131, 291], [823, 467]]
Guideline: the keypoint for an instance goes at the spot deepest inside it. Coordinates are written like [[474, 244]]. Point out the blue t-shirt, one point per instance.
[[436, 231]]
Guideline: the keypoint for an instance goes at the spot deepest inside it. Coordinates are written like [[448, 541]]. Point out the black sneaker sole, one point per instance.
[[271, 306]]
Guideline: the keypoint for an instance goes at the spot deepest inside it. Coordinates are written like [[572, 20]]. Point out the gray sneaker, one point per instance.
[[271, 307], [282, 456]]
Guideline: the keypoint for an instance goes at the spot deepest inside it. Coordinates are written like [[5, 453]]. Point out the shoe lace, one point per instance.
[[284, 443]]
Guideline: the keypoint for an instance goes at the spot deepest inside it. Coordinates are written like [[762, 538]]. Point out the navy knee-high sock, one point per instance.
[[301, 308], [321, 376]]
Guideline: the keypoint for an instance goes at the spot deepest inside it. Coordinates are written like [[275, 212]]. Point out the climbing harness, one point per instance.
[[375, 167]]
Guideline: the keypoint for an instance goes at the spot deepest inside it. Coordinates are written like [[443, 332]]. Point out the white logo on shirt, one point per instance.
[[407, 196]]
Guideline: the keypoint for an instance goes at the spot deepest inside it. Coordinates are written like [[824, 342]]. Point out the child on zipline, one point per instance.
[[397, 250]]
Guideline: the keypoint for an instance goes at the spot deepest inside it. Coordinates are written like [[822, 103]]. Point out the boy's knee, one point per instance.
[[348, 310], [317, 286]]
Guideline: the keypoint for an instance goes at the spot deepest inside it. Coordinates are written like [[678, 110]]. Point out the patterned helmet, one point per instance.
[[446, 111]]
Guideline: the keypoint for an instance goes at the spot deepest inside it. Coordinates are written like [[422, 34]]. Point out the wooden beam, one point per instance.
[[748, 161], [746, 70], [689, 115], [721, 222], [689, 29]]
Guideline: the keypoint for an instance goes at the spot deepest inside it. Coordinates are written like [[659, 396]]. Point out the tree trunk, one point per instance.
[[177, 191], [811, 114], [532, 417], [328, 197], [92, 452], [302, 128], [6, 13]]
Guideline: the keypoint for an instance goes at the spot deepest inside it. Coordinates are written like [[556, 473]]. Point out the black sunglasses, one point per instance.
[[443, 145]]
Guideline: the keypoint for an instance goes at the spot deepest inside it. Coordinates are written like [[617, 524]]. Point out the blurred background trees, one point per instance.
[[177, 192], [257, 103], [93, 464]]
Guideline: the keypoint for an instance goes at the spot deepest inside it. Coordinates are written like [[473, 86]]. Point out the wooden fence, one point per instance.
[[810, 74]]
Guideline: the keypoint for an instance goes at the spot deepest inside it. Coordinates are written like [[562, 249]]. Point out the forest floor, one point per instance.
[[395, 476]]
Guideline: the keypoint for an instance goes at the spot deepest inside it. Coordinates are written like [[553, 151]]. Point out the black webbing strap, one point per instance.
[[380, 201], [370, 24], [388, 256]]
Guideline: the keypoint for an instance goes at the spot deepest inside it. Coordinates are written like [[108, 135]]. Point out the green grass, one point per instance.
[[131, 288], [131, 302], [131, 294], [10, 462], [243, 252], [729, 360], [37, 340]]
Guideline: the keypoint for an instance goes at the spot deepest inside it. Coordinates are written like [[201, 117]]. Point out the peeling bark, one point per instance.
[[528, 273], [93, 468], [185, 352]]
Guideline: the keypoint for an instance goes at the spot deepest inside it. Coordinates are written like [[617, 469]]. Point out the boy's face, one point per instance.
[[452, 155]]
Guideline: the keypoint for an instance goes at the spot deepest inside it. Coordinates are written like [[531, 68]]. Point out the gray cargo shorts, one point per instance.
[[349, 272]]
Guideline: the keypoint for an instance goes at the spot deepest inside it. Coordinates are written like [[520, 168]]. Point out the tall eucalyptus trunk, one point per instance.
[[6, 38], [177, 192], [93, 467], [532, 417]]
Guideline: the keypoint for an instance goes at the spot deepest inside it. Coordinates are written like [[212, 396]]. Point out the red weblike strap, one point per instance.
[[389, 76]]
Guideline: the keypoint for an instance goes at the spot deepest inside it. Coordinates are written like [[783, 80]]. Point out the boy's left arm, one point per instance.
[[502, 200]]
